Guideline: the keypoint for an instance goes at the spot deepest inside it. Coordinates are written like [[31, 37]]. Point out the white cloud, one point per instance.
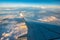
[[2, 38], [17, 30], [8, 16], [7, 39], [43, 11], [6, 34], [48, 19], [27, 14]]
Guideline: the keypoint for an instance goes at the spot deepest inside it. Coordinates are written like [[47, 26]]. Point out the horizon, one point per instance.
[[7, 5]]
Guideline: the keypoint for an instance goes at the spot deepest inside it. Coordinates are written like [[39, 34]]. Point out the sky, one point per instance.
[[30, 2]]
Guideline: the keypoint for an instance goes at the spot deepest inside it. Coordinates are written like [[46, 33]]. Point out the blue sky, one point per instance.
[[54, 2]]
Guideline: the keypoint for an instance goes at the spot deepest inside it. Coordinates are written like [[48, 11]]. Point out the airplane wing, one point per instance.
[[42, 31]]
